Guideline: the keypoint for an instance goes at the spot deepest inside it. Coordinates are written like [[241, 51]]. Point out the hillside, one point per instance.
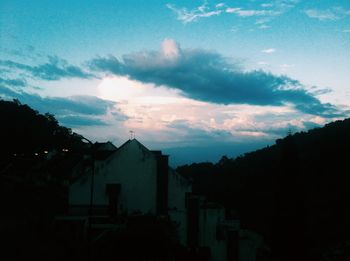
[[25, 131], [295, 192]]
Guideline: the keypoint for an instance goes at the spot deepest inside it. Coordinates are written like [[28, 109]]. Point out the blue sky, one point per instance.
[[226, 76]]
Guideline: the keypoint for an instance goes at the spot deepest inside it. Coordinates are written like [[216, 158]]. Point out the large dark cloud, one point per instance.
[[73, 111], [54, 69], [208, 76]]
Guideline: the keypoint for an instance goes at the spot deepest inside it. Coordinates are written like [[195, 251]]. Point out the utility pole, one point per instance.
[[92, 158]]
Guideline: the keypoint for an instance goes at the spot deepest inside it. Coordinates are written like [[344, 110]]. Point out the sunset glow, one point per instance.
[[196, 74]]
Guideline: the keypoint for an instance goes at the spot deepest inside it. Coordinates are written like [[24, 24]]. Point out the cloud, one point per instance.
[[285, 67], [248, 13], [269, 50], [208, 76], [197, 134], [73, 110], [317, 91], [267, 10], [264, 26], [265, 5], [13, 82], [170, 49], [55, 69], [321, 15], [346, 30], [262, 21], [201, 11], [332, 14], [263, 63], [75, 121], [27, 52]]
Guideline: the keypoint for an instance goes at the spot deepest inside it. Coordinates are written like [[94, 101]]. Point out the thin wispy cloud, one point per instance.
[[267, 10], [220, 5], [264, 26], [262, 21], [322, 15], [208, 76], [198, 134], [285, 67], [248, 13], [80, 120], [234, 29], [55, 69], [332, 14], [74, 110], [187, 16], [266, 5], [268, 50], [13, 82], [263, 63]]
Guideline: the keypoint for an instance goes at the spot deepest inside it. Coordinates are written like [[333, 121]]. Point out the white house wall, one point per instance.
[[177, 189], [132, 166], [209, 218]]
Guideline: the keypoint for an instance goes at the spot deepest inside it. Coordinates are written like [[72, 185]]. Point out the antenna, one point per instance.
[[132, 135]]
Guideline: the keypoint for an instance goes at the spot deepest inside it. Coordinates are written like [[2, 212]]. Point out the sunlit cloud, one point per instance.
[[164, 114], [207, 76]]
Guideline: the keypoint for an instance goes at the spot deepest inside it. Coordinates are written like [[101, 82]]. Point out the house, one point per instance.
[[133, 180], [210, 232]]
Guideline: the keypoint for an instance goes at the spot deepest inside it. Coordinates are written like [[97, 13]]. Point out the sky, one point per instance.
[[197, 79]]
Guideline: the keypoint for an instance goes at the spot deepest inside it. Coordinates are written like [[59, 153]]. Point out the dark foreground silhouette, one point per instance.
[[294, 193]]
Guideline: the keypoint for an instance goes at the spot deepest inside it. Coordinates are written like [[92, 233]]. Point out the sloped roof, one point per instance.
[[102, 150], [105, 146], [132, 141]]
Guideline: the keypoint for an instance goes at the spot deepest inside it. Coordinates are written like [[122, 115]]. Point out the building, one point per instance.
[[133, 180]]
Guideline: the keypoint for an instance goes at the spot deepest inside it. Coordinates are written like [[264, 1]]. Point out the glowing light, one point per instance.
[[119, 89]]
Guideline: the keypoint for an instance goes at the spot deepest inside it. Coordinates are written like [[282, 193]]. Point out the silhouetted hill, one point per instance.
[[295, 192], [25, 131], [37, 155]]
